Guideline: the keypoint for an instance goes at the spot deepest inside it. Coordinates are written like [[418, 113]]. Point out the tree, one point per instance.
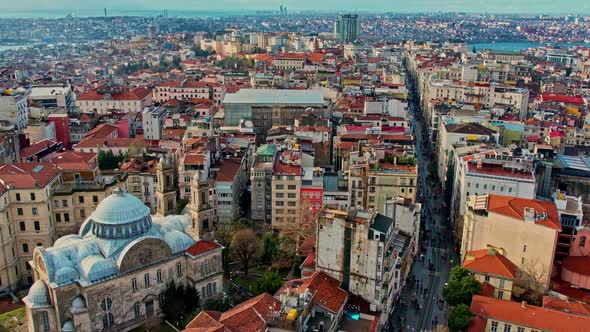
[[246, 246], [270, 283], [180, 303], [529, 278], [270, 249], [181, 204], [459, 318], [217, 304], [461, 287], [107, 160]]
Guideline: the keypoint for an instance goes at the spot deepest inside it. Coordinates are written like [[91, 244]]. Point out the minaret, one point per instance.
[[166, 193], [201, 211]]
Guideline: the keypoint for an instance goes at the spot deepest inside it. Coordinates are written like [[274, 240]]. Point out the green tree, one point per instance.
[[461, 287], [459, 318], [270, 283], [181, 204], [180, 303], [270, 249], [218, 304], [107, 160], [245, 246]]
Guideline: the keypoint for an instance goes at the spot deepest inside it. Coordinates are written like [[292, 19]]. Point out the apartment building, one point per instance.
[[492, 173], [366, 252], [105, 99], [27, 190], [492, 269], [152, 119], [230, 183], [185, 90], [289, 61], [286, 190], [14, 108], [261, 183], [525, 231]]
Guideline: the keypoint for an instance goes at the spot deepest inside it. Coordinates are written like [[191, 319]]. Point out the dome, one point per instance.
[[68, 326], [119, 216], [60, 260], [87, 249], [96, 267], [38, 294], [120, 208], [178, 241], [66, 240], [78, 304], [66, 274]]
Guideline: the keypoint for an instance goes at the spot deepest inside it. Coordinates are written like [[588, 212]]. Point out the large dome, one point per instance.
[[120, 208], [118, 216]]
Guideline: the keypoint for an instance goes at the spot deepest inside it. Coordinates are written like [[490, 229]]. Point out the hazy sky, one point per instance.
[[495, 6]]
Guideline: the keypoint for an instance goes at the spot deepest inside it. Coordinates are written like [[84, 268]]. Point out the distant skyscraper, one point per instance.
[[348, 27]]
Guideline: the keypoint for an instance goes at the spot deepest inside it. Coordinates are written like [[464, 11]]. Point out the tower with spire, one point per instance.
[[166, 191], [201, 211]]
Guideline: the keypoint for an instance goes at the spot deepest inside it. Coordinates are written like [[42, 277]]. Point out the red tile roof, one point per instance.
[[483, 261], [37, 148], [194, 159], [133, 94], [102, 130], [577, 100], [566, 305], [27, 175], [577, 264], [202, 246], [228, 170], [527, 315], [514, 207], [107, 142], [206, 321], [73, 161], [325, 289]]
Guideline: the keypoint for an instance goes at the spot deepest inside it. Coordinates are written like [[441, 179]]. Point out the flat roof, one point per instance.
[[282, 96]]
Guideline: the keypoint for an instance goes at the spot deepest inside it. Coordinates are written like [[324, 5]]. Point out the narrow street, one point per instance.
[[421, 306]]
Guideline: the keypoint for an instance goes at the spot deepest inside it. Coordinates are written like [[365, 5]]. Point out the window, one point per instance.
[[146, 280], [25, 247], [95, 199], [279, 195], [494, 327], [524, 248], [487, 278], [82, 213], [45, 319], [477, 186], [106, 306], [280, 203], [134, 284], [32, 196], [280, 187], [58, 217], [35, 211], [291, 187], [22, 226], [17, 196], [159, 276], [500, 294], [520, 329], [136, 309], [81, 199], [509, 190], [66, 217], [291, 195], [64, 203], [179, 269], [292, 203], [56, 203], [37, 225], [507, 327], [583, 241], [502, 283]]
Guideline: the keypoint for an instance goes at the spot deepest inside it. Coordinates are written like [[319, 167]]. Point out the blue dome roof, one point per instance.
[[66, 274], [178, 241], [66, 240], [38, 294], [78, 304], [68, 326], [87, 249], [96, 267], [120, 208]]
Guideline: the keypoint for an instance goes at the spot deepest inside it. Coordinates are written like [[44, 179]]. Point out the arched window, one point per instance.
[[106, 306]]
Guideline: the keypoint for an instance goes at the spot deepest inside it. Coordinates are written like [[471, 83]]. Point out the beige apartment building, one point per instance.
[[525, 231], [285, 190], [26, 198]]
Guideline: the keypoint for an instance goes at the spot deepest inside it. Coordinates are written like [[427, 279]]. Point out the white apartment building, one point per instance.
[[366, 252], [184, 90], [103, 100], [491, 173], [14, 108], [153, 122]]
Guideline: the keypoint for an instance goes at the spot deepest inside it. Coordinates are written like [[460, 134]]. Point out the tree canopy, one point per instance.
[[270, 283], [108, 160], [461, 287], [459, 318], [181, 303], [245, 246]]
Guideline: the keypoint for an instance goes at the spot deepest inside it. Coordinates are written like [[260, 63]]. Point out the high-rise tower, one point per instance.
[[348, 27]]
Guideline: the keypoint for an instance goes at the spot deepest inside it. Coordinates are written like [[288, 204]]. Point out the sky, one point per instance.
[[480, 6]]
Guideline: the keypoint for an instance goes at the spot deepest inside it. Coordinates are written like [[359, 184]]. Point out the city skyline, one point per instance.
[[42, 8]]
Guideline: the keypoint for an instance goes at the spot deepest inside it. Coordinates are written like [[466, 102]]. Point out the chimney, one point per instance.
[[529, 214], [523, 304]]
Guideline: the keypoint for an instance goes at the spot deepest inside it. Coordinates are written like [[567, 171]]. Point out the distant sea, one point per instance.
[[60, 13], [518, 46]]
